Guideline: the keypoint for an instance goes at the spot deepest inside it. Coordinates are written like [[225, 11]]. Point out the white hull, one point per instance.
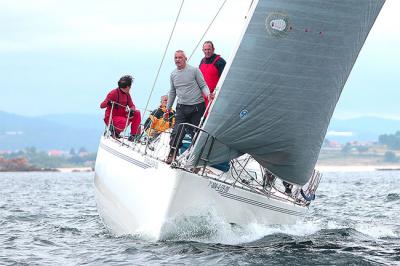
[[139, 195]]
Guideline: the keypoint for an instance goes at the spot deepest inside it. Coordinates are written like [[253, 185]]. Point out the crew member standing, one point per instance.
[[211, 66], [188, 85]]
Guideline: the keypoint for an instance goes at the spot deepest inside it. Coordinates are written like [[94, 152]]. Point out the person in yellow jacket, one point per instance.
[[156, 123]]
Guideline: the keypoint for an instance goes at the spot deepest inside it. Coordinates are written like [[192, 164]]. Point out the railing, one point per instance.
[[262, 181], [183, 130], [155, 147], [110, 128]]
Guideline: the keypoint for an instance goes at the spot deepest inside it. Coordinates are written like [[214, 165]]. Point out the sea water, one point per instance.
[[51, 218]]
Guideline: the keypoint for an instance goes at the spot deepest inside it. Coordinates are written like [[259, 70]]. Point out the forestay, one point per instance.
[[280, 89]]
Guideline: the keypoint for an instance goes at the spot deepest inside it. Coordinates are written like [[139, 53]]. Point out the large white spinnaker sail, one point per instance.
[[280, 89]]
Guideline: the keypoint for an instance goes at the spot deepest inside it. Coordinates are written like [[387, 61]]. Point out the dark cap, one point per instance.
[[125, 81]]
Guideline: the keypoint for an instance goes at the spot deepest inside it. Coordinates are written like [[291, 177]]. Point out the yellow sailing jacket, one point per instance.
[[156, 122]]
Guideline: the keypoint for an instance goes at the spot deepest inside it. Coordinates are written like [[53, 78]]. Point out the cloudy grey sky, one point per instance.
[[64, 56]]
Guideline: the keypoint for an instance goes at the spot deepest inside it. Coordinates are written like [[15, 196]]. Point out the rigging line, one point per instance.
[[194, 50], [162, 60], [205, 32], [252, 1]]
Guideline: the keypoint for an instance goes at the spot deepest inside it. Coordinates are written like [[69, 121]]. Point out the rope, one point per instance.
[[162, 60], [197, 45], [204, 34]]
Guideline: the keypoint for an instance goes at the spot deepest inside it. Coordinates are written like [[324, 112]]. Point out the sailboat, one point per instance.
[[273, 105]]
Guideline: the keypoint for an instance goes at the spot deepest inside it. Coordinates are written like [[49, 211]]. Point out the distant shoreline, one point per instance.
[[58, 169], [357, 168]]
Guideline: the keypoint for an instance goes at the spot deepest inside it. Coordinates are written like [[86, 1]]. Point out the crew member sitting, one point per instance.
[[157, 121], [122, 110]]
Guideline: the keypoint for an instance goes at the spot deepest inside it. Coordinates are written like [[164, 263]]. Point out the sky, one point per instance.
[[63, 56]]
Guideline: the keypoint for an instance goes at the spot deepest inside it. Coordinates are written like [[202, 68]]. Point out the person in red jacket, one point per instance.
[[211, 66], [120, 113]]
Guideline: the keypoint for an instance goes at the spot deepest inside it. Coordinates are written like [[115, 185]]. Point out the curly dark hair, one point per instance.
[[125, 81]]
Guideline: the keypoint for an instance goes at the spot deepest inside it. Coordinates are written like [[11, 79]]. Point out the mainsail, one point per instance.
[[277, 95]]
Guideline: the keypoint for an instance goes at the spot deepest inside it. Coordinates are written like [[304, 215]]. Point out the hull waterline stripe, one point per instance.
[[260, 204], [124, 157]]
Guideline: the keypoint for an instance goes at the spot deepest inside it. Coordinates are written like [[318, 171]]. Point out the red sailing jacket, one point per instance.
[[120, 97], [210, 73]]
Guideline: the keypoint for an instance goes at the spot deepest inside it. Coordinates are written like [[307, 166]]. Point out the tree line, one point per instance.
[[392, 141], [42, 159]]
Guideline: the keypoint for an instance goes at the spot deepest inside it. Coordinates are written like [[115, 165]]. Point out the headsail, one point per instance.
[[279, 92]]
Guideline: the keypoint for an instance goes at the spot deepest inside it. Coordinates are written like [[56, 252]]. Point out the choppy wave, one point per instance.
[[53, 220], [393, 197]]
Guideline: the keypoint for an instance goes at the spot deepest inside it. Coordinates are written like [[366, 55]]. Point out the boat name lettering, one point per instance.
[[218, 187], [150, 162]]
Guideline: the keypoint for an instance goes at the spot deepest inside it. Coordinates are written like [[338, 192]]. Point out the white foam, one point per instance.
[[376, 231], [209, 228], [254, 231]]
